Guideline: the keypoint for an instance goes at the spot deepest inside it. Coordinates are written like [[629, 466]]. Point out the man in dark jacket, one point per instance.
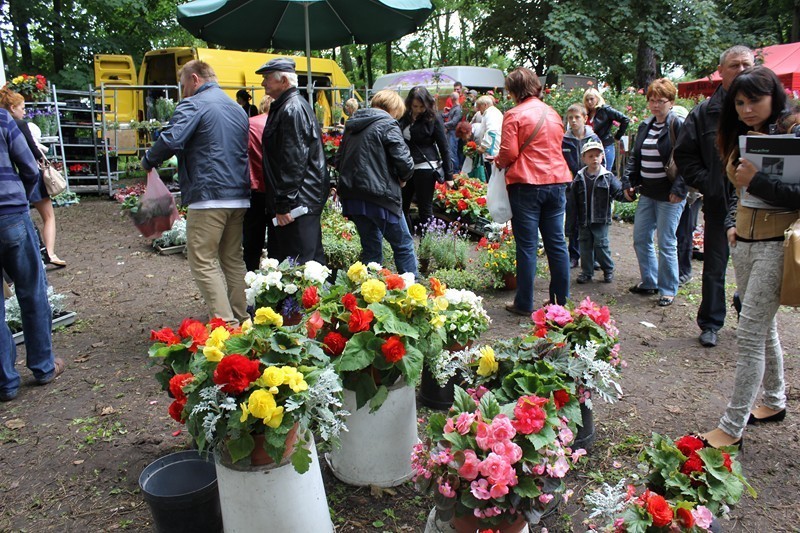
[[699, 162], [209, 135], [295, 172], [374, 163], [20, 259], [452, 117]]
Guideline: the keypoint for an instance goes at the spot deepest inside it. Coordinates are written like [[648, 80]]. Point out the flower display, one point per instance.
[[377, 326], [286, 286], [32, 86], [464, 317], [494, 461], [465, 200], [230, 384], [470, 149], [498, 253], [330, 145]]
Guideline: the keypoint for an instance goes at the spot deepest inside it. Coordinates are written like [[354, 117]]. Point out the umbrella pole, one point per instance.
[[309, 85]]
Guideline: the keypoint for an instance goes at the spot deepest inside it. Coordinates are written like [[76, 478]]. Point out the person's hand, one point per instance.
[[630, 194], [284, 219], [732, 237], [450, 184], [144, 165], [675, 199], [745, 172], [481, 149]]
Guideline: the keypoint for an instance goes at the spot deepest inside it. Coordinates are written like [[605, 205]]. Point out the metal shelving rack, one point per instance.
[[56, 141]]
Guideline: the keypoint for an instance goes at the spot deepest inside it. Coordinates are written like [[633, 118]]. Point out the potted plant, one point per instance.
[[493, 465], [466, 200], [443, 243], [252, 395], [32, 87], [499, 257], [172, 241], [13, 313], [376, 326]]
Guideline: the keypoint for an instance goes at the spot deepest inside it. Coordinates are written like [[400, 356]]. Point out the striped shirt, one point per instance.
[[652, 165]]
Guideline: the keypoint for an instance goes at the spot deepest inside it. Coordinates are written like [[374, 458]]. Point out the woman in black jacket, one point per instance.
[[424, 133], [374, 163], [601, 118]]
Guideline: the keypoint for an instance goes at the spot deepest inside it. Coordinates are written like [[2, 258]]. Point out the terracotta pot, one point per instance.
[[259, 456], [292, 320], [509, 281], [471, 524]]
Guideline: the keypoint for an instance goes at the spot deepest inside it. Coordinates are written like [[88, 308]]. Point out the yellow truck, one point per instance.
[[235, 70]]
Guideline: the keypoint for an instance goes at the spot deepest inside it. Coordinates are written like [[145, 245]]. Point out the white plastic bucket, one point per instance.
[[434, 525], [274, 496], [376, 448]]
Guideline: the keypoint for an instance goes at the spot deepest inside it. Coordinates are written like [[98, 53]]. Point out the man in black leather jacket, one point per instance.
[[698, 160], [295, 171]]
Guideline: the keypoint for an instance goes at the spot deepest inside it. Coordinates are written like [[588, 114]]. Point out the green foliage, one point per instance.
[[625, 211], [468, 279]]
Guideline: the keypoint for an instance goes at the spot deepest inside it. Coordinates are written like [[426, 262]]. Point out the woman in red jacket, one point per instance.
[[536, 179]]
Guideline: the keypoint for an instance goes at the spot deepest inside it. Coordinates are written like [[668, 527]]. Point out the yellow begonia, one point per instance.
[[272, 377], [294, 379], [218, 337], [261, 404], [487, 364], [438, 321], [213, 353], [247, 325], [357, 272], [440, 303], [417, 293], [373, 290], [265, 315]]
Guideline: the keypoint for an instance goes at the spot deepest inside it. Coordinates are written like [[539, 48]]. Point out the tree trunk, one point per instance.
[[347, 59], [645, 64], [58, 39], [389, 57], [795, 35], [368, 64], [19, 21]]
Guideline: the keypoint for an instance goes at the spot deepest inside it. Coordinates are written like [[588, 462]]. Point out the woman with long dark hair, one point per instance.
[[765, 208], [424, 133]]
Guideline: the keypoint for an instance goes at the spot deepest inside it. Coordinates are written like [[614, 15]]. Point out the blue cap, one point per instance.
[[279, 64]]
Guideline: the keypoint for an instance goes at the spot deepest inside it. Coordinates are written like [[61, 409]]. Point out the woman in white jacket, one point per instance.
[[488, 135]]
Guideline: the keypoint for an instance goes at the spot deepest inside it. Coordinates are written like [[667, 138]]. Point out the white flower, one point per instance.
[[273, 279], [250, 277], [250, 294], [374, 266], [269, 264], [291, 288], [408, 279], [316, 273], [454, 296]]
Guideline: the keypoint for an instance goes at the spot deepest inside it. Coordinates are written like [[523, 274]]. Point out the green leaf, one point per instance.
[[241, 344], [462, 402], [301, 459], [489, 406], [527, 487], [241, 447], [387, 322], [377, 400], [363, 385], [411, 365], [359, 352]]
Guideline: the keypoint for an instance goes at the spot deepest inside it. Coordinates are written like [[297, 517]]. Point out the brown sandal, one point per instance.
[[60, 367]]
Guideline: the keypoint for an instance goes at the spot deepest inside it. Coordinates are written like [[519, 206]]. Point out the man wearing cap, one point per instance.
[[208, 133], [295, 171], [699, 163]]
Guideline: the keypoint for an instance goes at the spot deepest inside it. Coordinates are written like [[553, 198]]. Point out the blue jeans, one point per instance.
[[595, 247], [456, 157], [651, 216], [611, 155], [19, 257], [534, 209], [373, 231]]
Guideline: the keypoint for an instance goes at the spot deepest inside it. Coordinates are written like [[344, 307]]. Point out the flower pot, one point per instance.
[[293, 319], [431, 394], [181, 490], [376, 448], [509, 281], [252, 496], [586, 435], [471, 524], [424, 265], [260, 457]]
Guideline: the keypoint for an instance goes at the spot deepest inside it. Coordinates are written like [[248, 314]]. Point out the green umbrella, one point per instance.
[[298, 24]]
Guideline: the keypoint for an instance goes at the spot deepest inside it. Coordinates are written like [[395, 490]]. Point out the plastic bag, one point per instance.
[[497, 197], [466, 168], [156, 211]]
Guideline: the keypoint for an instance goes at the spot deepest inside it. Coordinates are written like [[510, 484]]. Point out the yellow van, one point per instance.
[[234, 70]]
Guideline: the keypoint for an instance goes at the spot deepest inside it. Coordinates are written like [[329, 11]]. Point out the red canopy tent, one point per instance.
[[782, 59]]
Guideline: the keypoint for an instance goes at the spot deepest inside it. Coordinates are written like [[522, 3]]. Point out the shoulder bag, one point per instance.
[[671, 168], [790, 286], [54, 181], [439, 171]]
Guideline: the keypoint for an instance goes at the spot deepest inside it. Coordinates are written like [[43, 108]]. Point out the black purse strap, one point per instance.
[[420, 150]]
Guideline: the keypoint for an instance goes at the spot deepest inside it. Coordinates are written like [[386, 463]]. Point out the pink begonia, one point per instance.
[[498, 470], [539, 317], [464, 422], [619, 522], [469, 470], [559, 468], [498, 490], [502, 429], [480, 489], [483, 435], [478, 393], [545, 498], [443, 457], [577, 454], [702, 516], [510, 451], [492, 511], [565, 435], [539, 469], [568, 494], [558, 314], [447, 491], [449, 426]]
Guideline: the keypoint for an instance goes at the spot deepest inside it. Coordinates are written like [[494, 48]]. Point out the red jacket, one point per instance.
[[542, 162], [254, 154]]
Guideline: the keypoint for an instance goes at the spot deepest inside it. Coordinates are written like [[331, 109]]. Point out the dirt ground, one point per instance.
[[71, 452]]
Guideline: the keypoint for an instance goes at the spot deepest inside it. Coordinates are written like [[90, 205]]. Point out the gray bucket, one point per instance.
[[181, 490]]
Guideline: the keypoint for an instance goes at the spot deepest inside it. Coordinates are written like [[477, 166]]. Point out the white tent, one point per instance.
[[479, 78]]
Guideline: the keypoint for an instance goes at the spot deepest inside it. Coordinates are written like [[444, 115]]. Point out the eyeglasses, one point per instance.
[[662, 101]]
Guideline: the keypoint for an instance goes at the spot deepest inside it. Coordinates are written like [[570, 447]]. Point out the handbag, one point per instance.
[[54, 181], [790, 285], [439, 171], [671, 168]]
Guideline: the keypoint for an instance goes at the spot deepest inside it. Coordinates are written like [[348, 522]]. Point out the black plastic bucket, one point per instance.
[[586, 434], [181, 490]]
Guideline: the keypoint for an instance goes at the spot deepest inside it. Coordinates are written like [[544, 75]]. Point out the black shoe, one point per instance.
[[777, 417], [608, 277], [638, 289], [597, 266], [708, 338], [583, 278], [737, 304], [684, 279], [573, 263], [8, 396], [514, 310]]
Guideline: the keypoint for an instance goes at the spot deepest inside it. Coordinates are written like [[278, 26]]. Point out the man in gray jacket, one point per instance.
[[209, 135]]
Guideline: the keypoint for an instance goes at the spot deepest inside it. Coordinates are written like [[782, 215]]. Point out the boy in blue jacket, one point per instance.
[[593, 190]]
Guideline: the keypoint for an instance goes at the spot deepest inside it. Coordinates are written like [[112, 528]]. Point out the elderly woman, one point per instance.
[[601, 117], [490, 130], [374, 163], [350, 107], [661, 201], [756, 223], [536, 179]]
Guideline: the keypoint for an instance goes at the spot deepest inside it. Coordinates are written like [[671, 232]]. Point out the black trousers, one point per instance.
[[711, 314], [300, 240], [255, 229], [420, 186], [685, 234]]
